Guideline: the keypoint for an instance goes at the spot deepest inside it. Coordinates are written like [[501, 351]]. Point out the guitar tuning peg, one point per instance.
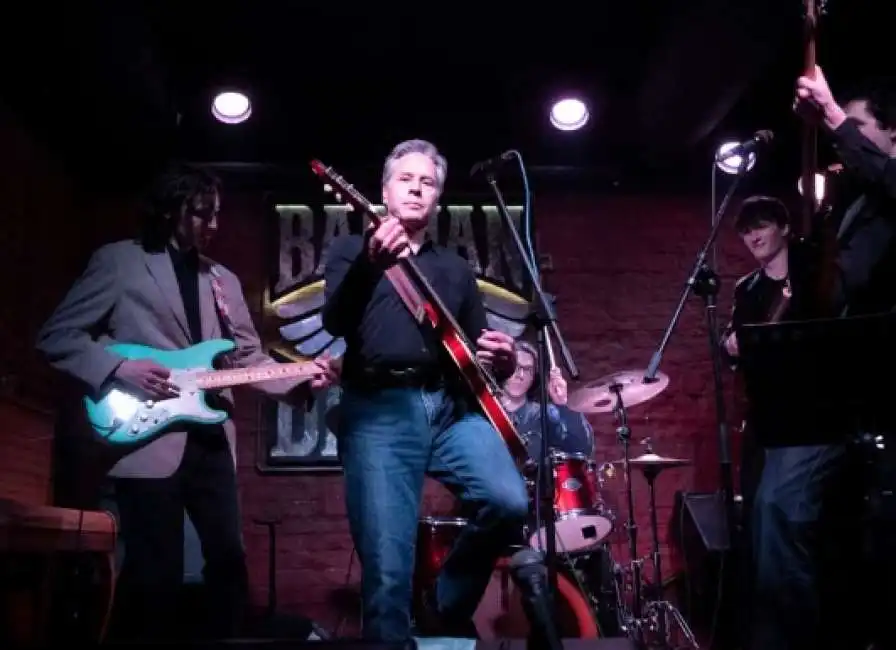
[[328, 188], [349, 207], [338, 197]]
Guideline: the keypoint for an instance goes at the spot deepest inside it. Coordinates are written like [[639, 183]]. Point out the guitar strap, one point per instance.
[[221, 302], [224, 318]]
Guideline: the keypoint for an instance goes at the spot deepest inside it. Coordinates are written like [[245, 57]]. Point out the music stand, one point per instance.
[[819, 382]]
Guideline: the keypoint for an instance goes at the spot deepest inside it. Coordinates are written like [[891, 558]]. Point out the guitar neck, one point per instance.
[[270, 372], [809, 202]]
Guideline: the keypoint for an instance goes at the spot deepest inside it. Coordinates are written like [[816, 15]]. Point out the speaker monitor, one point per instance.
[[700, 533]]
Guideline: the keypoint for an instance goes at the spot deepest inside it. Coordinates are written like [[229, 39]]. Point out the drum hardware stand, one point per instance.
[[652, 615], [624, 434], [659, 611], [704, 282], [544, 320]]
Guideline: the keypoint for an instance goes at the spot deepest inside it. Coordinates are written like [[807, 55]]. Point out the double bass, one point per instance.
[[817, 233]]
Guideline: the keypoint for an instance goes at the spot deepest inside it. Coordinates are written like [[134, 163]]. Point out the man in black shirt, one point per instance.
[[863, 131], [160, 291], [403, 413]]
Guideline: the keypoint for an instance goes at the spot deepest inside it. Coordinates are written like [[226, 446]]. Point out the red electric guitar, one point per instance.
[[422, 301]]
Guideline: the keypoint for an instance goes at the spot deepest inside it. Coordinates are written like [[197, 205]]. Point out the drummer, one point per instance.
[[568, 431]]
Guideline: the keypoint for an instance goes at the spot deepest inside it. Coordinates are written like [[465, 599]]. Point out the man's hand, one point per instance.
[[328, 373], [731, 345], [148, 377], [557, 387], [388, 243], [495, 350], [815, 102]]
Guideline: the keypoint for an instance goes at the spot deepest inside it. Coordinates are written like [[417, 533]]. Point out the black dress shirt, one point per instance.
[[866, 225], [186, 269], [363, 307], [756, 294]]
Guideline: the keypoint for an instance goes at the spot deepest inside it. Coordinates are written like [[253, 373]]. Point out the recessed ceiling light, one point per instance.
[[569, 114], [231, 107]]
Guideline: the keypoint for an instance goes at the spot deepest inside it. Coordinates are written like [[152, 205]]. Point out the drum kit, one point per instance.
[[595, 595]]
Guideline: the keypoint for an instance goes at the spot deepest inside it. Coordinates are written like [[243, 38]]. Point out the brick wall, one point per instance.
[[619, 265]]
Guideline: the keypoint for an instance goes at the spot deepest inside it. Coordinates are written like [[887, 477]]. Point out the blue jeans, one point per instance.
[[799, 522], [388, 441]]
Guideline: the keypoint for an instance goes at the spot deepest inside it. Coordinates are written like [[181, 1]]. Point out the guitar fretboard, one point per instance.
[[237, 376]]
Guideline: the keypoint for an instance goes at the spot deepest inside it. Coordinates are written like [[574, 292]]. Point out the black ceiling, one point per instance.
[[126, 84]]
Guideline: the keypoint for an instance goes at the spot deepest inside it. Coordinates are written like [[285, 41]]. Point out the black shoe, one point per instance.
[[430, 623]]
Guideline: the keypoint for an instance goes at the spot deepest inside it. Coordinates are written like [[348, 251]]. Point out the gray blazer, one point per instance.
[[130, 295]]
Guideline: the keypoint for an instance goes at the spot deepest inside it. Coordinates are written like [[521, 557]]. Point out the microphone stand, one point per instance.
[[704, 281], [544, 320]]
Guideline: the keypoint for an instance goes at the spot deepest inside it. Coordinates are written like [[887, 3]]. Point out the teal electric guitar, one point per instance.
[[123, 418]]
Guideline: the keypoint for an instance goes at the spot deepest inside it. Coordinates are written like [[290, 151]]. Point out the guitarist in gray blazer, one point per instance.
[[160, 291]]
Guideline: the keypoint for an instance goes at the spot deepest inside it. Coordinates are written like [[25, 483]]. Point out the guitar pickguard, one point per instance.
[[122, 418]]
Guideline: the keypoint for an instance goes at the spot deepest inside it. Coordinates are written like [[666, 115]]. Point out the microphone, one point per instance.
[[530, 576], [744, 149], [491, 164]]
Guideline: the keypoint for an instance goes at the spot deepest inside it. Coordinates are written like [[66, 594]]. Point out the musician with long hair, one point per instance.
[[159, 290], [782, 488], [405, 412]]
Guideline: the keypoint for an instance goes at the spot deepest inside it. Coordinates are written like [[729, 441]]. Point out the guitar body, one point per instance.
[[486, 396], [125, 419]]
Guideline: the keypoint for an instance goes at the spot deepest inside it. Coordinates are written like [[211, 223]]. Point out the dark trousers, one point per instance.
[[752, 461], [151, 513], [805, 534], [878, 574]]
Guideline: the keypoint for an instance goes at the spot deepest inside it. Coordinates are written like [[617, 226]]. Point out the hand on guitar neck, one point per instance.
[[815, 102], [388, 243]]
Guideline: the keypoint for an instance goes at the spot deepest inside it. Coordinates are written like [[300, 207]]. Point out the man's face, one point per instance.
[[198, 221], [521, 380], [765, 240], [870, 127], [412, 190]]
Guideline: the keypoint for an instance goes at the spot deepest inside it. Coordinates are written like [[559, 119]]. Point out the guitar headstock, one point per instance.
[[343, 191], [814, 8]]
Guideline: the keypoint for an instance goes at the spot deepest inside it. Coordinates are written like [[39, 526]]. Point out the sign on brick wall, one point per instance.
[[296, 440]]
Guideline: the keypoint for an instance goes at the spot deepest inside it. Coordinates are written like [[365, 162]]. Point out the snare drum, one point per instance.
[[580, 516], [500, 613]]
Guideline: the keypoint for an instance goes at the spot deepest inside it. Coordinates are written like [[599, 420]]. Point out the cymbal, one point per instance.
[[651, 460], [599, 396]]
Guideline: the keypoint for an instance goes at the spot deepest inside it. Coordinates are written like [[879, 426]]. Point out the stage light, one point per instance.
[[231, 107], [820, 180], [569, 114], [730, 164]]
